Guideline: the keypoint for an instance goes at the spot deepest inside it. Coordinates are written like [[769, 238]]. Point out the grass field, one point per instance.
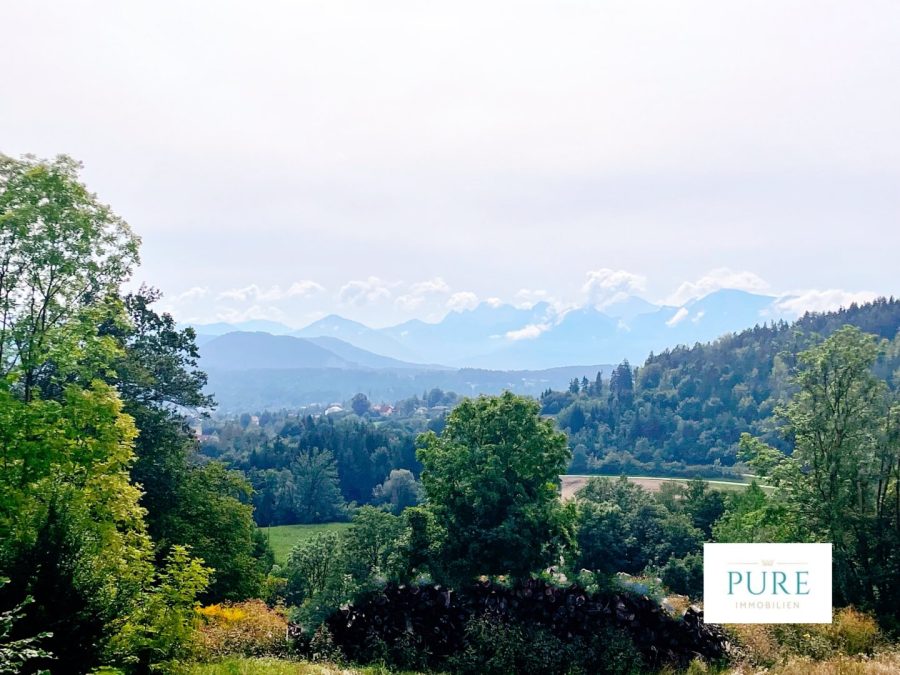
[[572, 483], [283, 538]]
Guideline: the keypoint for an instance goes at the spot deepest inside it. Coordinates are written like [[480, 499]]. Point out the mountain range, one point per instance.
[[503, 336], [266, 364]]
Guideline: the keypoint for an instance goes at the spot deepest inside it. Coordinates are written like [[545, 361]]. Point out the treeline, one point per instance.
[[307, 469], [683, 412]]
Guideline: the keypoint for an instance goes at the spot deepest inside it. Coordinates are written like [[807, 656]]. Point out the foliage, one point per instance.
[[363, 454], [248, 628], [163, 628], [370, 545], [73, 534], [688, 406], [188, 503], [842, 482], [400, 490], [492, 482], [60, 249], [850, 633], [622, 528], [15, 653]]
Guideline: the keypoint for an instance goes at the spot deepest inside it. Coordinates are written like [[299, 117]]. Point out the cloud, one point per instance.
[[606, 286], [301, 289], [367, 292], [195, 293], [431, 286], [714, 280], [529, 332], [526, 298], [493, 302], [799, 302], [419, 291], [678, 317], [462, 300], [270, 312]]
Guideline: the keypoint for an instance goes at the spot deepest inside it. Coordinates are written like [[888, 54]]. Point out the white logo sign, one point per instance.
[[767, 583]]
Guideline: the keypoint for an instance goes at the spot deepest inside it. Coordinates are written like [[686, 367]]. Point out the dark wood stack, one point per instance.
[[435, 618]]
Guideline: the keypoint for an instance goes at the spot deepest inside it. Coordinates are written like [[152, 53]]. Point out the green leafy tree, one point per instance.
[[371, 544], [399, 491], [188, 503], [622, 528], [317, 495], [15, 653], [72, 532], [60, 250], [842, 478], [492, 482]]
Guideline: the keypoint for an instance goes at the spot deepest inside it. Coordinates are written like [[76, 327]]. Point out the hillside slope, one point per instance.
[[687, 407]]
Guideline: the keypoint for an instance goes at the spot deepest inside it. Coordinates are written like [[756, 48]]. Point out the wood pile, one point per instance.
[[435, 618]]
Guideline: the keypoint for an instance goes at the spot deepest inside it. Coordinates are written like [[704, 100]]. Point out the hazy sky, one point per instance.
[[386, 160]]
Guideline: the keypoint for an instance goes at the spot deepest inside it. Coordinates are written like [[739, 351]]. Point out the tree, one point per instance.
[[60, 250], [492, 481], [72, 531], [622, 528], [317, 497], [372, 542], [188, 503], [841, 481], [360, 404], [400, 490]]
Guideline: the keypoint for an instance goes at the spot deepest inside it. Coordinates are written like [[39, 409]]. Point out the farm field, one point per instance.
[[571, 483], [283, 538]]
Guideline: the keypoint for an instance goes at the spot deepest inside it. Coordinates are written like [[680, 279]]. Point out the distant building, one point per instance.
[[333, 409]]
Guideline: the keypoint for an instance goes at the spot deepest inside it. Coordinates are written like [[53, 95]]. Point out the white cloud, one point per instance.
[[301, 289], [231, 315], [821, 300], [195, 293], [365, 292], [527, 298], [462, 300], [678, 317], [430, 286], [714, 280], [493, 302], [419, 291], [529, 332], [606, 286]]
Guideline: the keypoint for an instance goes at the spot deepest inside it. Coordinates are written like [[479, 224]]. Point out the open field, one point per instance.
[[284, 537], [572, 483]]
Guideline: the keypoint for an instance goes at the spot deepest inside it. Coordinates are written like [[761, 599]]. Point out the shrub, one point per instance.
[[851, 633], [248, 629], [854, 632]]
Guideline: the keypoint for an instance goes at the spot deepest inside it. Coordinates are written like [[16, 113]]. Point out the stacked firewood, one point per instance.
[[435, 618]]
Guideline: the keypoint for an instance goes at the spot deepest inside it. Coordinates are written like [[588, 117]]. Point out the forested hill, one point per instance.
[[683, 411]]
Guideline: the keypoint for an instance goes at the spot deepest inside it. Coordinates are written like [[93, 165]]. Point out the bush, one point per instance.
[[851, 633], [247, 629]]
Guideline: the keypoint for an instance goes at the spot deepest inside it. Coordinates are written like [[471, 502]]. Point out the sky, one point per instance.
[[395, 160]]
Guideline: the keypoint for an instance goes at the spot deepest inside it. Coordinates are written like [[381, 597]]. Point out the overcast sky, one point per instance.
[[388, 160]]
